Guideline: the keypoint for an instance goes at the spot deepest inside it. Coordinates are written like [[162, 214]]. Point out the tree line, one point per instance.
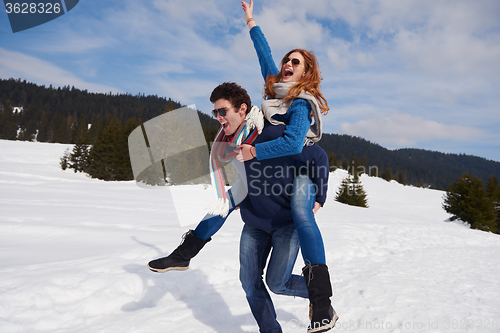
[[97, 124], [415, 167], [90, 120]]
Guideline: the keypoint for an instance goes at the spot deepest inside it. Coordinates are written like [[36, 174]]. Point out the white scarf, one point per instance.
[[277, 105]]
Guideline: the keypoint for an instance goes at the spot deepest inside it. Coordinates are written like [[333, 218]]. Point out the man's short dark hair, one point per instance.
[[232, 92]]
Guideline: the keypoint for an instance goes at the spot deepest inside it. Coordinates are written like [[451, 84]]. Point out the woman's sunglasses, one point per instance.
[[221, 111], [295, 61]]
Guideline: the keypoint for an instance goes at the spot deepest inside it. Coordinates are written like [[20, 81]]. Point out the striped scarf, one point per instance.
[[246, 133]]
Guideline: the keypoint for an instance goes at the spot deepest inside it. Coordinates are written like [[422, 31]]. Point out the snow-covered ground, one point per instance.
[[73, 255]]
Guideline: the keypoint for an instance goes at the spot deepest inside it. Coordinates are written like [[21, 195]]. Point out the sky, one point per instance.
[[403, 74]]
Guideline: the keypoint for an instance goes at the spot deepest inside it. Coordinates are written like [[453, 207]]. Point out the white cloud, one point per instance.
[[189, 12], [338, 54], [404, 130], [19, 65]]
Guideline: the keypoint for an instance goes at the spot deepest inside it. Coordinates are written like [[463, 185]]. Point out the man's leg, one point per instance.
[[195, 240], [255, 245], [212, 223]]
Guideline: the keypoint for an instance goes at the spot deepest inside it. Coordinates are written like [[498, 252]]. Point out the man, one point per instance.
[[264, 200]]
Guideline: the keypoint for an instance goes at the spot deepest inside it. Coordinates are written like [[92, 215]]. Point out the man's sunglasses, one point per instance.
[[295, 61], [221, 111]]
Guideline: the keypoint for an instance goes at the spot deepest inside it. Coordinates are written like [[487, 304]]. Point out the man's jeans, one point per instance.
[[302, 201], [212, 223], [255, 247]]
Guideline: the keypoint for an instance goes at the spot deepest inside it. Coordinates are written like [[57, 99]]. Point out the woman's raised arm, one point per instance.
[[248, 8]]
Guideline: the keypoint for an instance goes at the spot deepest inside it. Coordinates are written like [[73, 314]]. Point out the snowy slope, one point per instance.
[[73, 255]]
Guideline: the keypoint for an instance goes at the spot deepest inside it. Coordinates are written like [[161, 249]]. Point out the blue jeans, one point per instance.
[[212, 223], [255, 247], [302, 201]]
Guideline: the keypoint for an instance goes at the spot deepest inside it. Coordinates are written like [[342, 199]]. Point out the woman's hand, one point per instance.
[[246, 153], [248, 8], [317, 206]]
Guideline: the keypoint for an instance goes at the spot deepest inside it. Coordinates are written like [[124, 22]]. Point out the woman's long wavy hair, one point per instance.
[[310, 81]]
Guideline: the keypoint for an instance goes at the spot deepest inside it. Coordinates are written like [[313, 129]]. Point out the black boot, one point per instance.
[[179, 259], [320, 290]]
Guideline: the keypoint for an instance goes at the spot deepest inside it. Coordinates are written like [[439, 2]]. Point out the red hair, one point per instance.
[[309, 83]]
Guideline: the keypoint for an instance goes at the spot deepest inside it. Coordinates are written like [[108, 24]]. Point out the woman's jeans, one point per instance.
[[303, 199], [255, 247]]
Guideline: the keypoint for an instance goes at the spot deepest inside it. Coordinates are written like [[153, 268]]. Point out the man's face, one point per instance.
[[233, 118]]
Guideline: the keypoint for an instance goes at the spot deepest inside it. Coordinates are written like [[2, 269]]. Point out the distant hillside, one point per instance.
[[419, 167], [62, 114]]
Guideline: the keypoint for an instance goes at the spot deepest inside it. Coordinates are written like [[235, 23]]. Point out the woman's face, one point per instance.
[[293, 69]]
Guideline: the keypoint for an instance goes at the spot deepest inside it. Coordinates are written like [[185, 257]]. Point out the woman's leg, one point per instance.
[[279, 277], [255, 245], [302, 202], [317, 278]]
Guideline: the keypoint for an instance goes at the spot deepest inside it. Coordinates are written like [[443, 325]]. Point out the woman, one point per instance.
[[292, 96]]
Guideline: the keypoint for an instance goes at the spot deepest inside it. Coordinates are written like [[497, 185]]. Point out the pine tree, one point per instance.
[[125, 166], [387, 174], [466, 200], [401, 178], [351, 192], [345, 164], [493, 193], [344, 192], [61, 129], [43, 126], [65, 159], [80, 157], [109, 157], [104, 154], [332, 160], [360, 198], [81, 130], [8, 122]]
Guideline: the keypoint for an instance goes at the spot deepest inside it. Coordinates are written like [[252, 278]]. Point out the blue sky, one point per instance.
[[414, 73]]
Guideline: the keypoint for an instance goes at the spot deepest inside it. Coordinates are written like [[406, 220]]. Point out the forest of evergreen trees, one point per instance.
[[416, 167], [98, 124]]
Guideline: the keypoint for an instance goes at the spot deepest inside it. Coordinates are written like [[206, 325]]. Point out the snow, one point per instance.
[[73, 255]]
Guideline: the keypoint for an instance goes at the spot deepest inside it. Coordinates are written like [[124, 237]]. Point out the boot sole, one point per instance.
[[324, 328], [163, 270]]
